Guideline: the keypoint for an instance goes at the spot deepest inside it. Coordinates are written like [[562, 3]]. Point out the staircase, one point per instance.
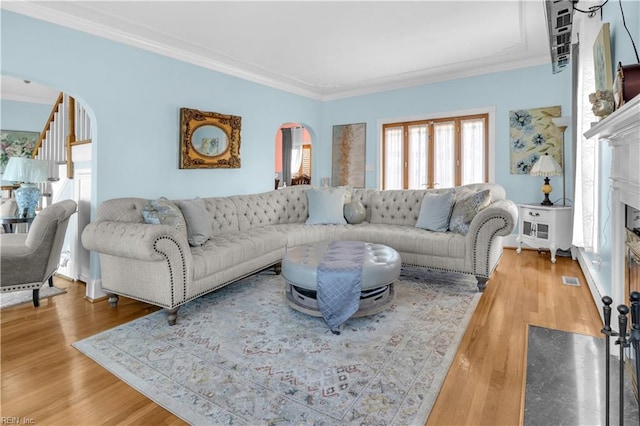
[[64, 141], [68, 126]]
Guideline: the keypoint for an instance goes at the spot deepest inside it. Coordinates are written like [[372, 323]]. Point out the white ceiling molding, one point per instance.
[[509, 35], [42, 13]]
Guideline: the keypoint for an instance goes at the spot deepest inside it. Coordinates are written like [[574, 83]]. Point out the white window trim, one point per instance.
[[490, 111]]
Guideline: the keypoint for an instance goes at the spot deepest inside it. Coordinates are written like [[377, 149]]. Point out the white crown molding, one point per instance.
[[41, 12], [444, 75]]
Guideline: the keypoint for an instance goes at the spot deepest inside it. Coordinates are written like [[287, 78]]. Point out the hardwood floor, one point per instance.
[[44, 379], [485, 384]]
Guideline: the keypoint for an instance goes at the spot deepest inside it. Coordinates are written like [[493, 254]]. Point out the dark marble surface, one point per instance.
[[566, 381]]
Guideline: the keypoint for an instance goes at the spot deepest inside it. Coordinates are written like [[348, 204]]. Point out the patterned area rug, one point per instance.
[[241, 355], [8, 300]]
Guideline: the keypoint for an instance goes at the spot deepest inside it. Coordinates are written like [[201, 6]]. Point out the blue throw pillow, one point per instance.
[[436, 211], [326, 206]]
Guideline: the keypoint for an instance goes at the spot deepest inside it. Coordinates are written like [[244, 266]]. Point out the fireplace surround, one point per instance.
[[621, 130]]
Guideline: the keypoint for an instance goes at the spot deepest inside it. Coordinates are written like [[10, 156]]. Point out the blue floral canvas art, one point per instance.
[[532, 134]]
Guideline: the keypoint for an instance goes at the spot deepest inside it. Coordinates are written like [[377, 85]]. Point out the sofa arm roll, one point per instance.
[[132, 240], [498, 220], [506, 210]]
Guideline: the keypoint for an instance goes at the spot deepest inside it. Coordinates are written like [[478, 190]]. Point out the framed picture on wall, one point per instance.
[[602, 59], [209, 140], [532, 134], [348, 155], [16, 143]]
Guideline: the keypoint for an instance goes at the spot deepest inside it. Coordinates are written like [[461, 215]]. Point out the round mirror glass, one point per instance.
[[209, 140]]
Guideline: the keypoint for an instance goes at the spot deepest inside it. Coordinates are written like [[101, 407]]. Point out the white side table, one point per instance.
[[545, 227]]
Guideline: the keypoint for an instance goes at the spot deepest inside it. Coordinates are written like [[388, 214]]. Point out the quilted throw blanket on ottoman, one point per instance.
[[340, 282]]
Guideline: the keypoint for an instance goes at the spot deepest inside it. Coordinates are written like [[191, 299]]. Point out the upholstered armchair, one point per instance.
[[29, 260], [8, 207]]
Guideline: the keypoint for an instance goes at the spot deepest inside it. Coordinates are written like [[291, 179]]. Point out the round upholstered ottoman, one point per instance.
[[380, 269]]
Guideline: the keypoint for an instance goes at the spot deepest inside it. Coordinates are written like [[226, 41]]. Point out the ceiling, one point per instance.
[[325, 49], [16, 89]]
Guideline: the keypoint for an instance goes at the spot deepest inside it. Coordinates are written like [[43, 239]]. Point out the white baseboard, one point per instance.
[[596, 291], [94, 290]]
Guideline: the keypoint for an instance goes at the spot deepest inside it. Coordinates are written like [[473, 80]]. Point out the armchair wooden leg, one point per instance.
[[36, 297], [51, 281], [277, 268]]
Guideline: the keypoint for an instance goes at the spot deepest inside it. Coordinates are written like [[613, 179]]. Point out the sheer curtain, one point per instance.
[[473, 143], [585, 209]]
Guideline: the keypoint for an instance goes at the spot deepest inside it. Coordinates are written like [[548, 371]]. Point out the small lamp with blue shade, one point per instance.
[[29, 172], [546, 166]]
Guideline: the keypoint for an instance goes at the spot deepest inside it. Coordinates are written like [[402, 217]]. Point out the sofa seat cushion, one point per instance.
[[409, 239], [230, 249]]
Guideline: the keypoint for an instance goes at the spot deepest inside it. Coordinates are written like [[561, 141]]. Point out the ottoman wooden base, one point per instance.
[[371, 301], [380, 269]]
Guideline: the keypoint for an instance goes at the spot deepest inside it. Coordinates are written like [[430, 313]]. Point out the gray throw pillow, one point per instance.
[[164, 212], [436, 211], [354, 212], [198, 221], [468, 204], [326, 206]]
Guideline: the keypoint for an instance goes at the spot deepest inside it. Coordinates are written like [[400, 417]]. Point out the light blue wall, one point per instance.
[[505, 91], [621, 47], [134, 97], [25, 116]]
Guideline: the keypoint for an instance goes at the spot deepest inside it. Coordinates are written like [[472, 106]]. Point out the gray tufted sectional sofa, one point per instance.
[[156, 264]]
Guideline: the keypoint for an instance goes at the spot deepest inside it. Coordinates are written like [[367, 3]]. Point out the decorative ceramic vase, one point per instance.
[[27, 197], [354, 212]]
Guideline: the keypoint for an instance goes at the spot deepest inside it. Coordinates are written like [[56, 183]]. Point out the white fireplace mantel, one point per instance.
[[621, 130]]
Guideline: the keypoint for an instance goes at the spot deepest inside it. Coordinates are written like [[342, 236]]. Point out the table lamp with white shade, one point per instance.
[[546, 166], [28, 172]]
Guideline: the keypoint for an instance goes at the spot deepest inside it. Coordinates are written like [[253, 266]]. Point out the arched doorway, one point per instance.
[[41, 109], [293, 155]]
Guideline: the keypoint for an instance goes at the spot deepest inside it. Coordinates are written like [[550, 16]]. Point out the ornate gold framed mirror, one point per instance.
[[209, 140]]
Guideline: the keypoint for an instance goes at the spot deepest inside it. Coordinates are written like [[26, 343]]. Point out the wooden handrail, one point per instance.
[[71, 136], [47, 125]]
